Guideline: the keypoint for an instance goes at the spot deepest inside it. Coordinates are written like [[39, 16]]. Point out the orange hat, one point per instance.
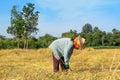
[[79, 42]]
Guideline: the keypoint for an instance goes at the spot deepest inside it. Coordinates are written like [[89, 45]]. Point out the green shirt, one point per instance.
[[62, 48]]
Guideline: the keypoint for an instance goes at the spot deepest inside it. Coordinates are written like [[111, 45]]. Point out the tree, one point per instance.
[[32, 42], [2, 37], [31, 21], [104, 40], [116, 37], [96, 29], [70, 34], [109, 39], [17, 24], [1, 41], [87, 28], [45, 40], [23, 23], [89, 39], [99, 37]]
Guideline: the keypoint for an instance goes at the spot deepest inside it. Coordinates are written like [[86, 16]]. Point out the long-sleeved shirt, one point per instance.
[[62, 48]]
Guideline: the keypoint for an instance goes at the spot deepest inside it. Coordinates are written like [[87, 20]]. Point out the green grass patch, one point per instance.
[[106, 47]]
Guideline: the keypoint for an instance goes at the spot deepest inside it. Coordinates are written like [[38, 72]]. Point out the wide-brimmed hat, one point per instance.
[[79, 42]]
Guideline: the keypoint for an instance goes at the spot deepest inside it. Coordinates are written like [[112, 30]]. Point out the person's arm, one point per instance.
[[67, 54]]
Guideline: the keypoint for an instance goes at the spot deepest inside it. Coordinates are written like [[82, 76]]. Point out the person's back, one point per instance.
[[61, 47]]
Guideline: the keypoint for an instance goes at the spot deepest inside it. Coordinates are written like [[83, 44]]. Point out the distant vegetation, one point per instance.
[[95, 38], [24, 24]]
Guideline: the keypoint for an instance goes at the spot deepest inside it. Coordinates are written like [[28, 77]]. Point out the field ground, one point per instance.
[[86, 64]]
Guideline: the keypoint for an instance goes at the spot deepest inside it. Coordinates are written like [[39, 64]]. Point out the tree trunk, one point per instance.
[[18, 44], [103, 40], [25, 43]]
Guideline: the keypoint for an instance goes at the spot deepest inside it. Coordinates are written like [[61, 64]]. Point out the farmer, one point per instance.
[[62, 50]]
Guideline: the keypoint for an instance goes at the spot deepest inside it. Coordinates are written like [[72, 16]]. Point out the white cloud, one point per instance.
[[72, 14], [72, 9]]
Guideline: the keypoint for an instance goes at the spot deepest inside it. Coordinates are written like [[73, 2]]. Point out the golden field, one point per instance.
[[86, 64]]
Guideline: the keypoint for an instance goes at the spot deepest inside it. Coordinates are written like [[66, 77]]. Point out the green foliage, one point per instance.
[[96, 37], [87, 28], [116, 37], [45, 40], [70, 34], [23, 23], [31, 21], [106, 47], [2, 37], [89, 39], [30, 17], [32, 43], [17, 24], [8, 43]]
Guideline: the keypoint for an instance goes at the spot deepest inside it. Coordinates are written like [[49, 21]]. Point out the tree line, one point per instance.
[[24, 24], [33, 43], [94, 37]]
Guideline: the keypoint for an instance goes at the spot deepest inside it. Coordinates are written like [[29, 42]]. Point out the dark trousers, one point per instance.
[[57, 62]]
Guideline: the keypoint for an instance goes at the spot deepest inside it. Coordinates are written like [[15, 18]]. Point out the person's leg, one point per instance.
[[55, 64], [62, 63]]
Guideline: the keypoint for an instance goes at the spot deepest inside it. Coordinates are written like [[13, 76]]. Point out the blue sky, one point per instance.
[[58, 16]]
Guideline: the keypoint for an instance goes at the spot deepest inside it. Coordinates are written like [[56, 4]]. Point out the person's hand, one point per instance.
[[67, 66], [68, 70]]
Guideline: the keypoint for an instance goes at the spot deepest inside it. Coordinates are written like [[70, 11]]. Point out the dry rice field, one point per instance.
[[86, 64]]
